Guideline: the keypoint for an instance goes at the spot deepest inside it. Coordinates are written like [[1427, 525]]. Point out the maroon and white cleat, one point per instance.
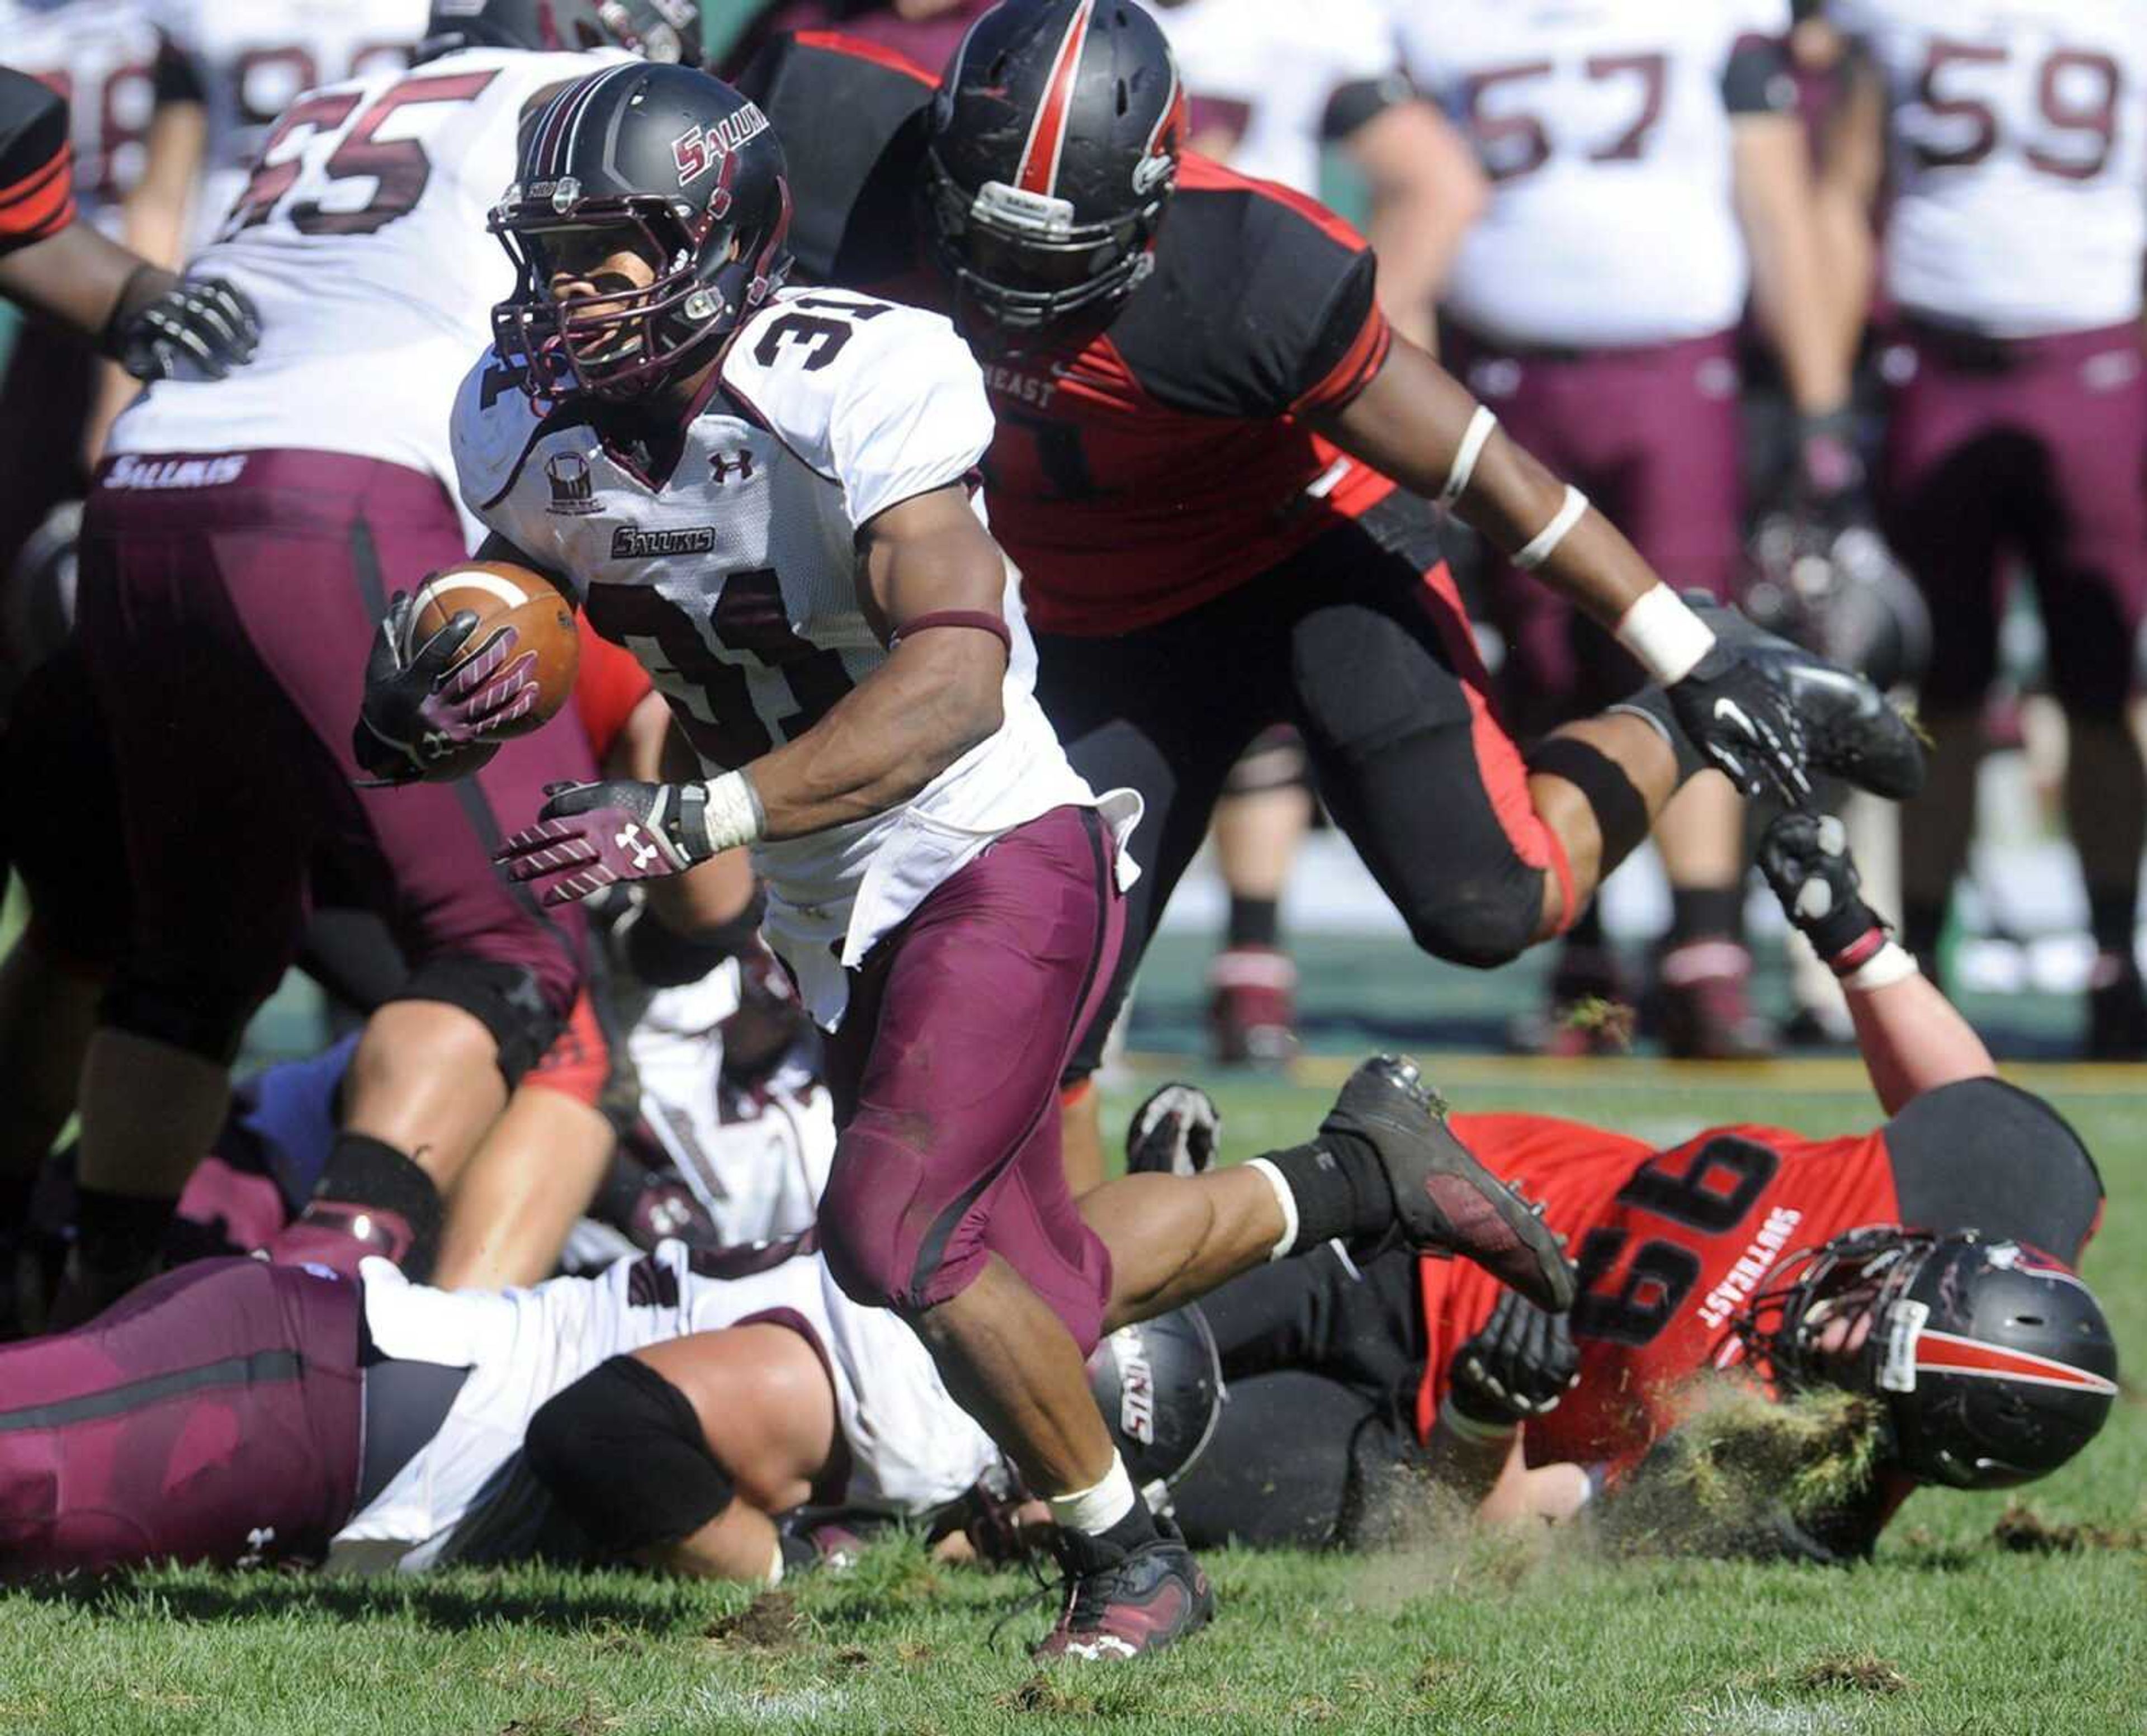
[[336, 1234], [1252, 1007], [1702, 1003], [1121, 1602]]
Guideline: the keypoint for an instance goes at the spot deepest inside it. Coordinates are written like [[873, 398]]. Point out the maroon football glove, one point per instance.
[[590, 836]]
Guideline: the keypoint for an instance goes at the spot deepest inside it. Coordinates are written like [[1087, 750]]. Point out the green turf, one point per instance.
[[1946, 1633]]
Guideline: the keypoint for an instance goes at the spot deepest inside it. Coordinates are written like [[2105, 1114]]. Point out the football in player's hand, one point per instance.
[[503, 596]]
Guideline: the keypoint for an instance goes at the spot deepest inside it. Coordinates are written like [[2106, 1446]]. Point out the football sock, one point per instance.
[[363, 1171], [2110, 917], [1706, 913], [120, 1232], [1338, 1187], [1254, 922], [1111, 1510]]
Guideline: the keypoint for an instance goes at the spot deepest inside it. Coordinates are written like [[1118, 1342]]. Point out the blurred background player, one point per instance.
[[924, 31], [2009, 143], [236, 555], [1647, 170], [1274, 89], [1928, 1266], [138, 125], [253, 58]]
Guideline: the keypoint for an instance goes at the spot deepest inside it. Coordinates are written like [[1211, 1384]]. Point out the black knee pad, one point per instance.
[[504, 998], [1484, 921], [1620, 811], [203, 1018]]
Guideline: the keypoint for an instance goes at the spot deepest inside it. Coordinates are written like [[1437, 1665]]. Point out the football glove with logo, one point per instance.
[[1805, 858], [590, 836], [1738, 714], [201, 325], [1517, 1368], [421, 716]]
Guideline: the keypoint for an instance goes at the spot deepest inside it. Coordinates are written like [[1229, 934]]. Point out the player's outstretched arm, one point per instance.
[[933, 581], [1913, 1038], [1420, 425]]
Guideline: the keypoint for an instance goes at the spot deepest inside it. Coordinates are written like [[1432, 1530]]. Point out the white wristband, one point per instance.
[[1891, 964], [1481, 427], [1468, 1428], [1664, 635], [1547, 539], [733, 816]]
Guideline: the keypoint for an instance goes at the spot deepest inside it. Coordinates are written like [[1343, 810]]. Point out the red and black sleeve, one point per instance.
[[37, 163], [1261, 304]]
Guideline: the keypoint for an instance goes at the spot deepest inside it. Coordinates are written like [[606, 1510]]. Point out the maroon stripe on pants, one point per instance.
[[1651, 434], [945, 1074], [212, 1415]]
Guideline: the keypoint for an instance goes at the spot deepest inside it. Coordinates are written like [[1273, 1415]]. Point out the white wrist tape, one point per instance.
[[1468, 1428], [1555, 533], [1286, 1243], [1664, 635], [1481, 427], [1891, 964], [1097, 1509], [734, 815]]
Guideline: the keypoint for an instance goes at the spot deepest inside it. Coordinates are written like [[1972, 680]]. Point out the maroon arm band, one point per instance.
[[981, 619]]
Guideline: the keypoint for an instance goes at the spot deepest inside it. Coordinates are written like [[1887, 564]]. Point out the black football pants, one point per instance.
[[1347, 641]]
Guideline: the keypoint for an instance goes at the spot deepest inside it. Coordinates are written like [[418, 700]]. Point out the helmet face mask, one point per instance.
[[1053, 155], [657, 197], [1994, 1362]]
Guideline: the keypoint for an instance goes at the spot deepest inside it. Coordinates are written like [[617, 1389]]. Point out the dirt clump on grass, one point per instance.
[[1861, 1671], [770, 1622], [2023, 1531]]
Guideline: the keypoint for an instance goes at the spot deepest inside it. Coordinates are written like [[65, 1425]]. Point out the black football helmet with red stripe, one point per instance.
[[1993, 1360], [669, 163], [1053, 151], [665, 30]]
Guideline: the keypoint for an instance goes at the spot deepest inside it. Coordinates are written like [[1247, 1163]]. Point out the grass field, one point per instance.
[[1948, 1632]]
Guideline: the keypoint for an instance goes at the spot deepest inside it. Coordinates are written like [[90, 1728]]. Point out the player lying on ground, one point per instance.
[[1215, 465], [234, 1412], [765, 495], [142, 317], [1925, 1267]]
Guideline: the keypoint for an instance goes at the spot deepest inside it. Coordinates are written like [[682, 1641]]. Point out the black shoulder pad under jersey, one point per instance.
[[1985, 1155], [36, 199], [1257, 298], [850, 117]]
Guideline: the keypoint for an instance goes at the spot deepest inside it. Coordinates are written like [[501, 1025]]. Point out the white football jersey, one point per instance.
[[107, 57], [362, 240], [1279, 61], [759, 1166], [2018, 145], [1602, 126], [734, 579], [466, 1497], [256, 58]]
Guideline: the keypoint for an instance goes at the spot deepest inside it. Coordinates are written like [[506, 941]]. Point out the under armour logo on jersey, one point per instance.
[[723, 463], [630, 838]]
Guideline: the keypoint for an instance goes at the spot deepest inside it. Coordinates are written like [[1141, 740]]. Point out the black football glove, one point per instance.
[[1829, 473], [590, 836], [1517, 1368], [419, 717], [1805, 858], [1741, 716], [202, 326]]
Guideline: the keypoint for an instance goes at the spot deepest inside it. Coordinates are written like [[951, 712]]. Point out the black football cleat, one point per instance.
[[1851, 729], [1176, 1131], [1123, 1602], [1445, 1202]]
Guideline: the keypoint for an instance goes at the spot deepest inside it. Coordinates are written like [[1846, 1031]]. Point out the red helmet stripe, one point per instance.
[[1946, 1352], [1047, 133]]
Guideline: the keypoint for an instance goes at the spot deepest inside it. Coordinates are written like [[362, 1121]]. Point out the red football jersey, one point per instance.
[[1670, 1244], [37, 163], [1166, 461], [609, 682]]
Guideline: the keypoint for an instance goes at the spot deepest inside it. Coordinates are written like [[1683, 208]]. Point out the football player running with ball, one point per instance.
[[1210, 441], [766, 496]]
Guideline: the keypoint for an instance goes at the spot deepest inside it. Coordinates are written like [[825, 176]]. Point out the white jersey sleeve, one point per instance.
[[885, 400], [2018, 139]]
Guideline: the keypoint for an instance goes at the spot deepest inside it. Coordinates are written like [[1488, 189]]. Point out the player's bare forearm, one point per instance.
[[1427, 192], [1914, 1040], [1475, 1470], [938, 695], [75, 279], [1851, 168], [1413, 421], [1775, 208]]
